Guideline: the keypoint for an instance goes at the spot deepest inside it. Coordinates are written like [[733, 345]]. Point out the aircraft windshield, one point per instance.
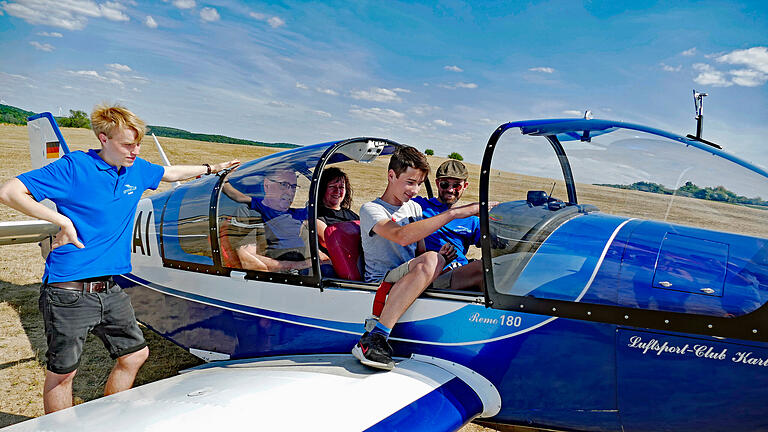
[[681, 226]]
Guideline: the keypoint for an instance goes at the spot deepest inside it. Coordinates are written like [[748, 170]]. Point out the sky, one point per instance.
[[440, 75]]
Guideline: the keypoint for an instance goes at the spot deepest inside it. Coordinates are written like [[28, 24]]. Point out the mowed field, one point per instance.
[[22, 340]]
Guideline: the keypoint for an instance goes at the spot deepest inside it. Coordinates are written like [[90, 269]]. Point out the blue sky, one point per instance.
[[433, 75]]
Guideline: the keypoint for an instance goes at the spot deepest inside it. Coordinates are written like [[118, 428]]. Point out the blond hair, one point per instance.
[[107, 119]]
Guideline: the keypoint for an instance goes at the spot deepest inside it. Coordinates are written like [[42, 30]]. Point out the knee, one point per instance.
[[433, 262], [134, 360], [53, 379]]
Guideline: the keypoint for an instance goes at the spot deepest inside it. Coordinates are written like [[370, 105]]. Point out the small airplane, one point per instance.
[[627, 311]]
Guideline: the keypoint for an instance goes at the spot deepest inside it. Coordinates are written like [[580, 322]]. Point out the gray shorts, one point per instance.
[[70, 315], [442, 282]]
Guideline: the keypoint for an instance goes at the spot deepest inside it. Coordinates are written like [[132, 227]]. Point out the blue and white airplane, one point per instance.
[[613, 309]]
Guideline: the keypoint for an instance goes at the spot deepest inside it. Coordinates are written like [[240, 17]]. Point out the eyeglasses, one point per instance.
[[284, 185], [448, 185]]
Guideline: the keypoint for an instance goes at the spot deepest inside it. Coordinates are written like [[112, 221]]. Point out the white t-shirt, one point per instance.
[[382, 255]]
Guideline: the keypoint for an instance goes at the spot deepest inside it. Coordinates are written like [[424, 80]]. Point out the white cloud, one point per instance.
[[273, 21], [385, 115], [208, 14], [440, 122], [669, 68], [748, 77], [323, 113], [753, 73], [423, 109], [51, 34], [453, 68], [459, 85], [376, 94], [42, 47], [109, 77], [710, 76], [755, 58], [150, 22], [14, 76], [689, 52], [301, 86], [276, 22], [278, 104], [400, 90], [573, 113], [67, 14], [119, 67], [543, 69], [113, 11], [327, 91], [184, 4], [90, 73]]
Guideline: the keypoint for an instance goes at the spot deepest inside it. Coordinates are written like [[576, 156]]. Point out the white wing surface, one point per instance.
[[297, 393], [30, 231]]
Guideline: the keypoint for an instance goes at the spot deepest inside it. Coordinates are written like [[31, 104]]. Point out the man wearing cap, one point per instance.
[[451, 181], [96, 194]]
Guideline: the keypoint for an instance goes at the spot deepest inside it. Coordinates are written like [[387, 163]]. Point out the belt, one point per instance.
[[86, 287]]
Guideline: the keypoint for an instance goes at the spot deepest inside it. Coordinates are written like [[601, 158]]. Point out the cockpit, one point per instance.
[[595, 219]]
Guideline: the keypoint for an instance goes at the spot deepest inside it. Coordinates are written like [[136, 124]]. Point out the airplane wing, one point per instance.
[[46, 144], [30, 231], [303, 393]]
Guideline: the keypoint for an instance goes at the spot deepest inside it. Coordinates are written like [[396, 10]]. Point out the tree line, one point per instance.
[[81, 119], [689, 189]]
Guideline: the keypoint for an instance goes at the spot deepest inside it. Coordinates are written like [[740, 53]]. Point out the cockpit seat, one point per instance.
[[229, 256], [345, 250]]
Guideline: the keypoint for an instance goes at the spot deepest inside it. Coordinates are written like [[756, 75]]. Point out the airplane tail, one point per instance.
[[46, 144]]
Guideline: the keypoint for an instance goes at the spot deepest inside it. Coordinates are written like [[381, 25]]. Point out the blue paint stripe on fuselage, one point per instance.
[[447, 408], [352, 328]]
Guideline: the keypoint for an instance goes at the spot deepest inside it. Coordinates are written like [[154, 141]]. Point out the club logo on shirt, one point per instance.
[[129, 189]]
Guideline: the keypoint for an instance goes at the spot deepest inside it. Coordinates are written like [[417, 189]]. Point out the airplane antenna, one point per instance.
[[698, 103], [553, 188], [166, 162]]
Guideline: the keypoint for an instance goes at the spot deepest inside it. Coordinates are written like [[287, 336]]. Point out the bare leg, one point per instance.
[[468, 277], [57, 391], [421, 272], [125, 370]]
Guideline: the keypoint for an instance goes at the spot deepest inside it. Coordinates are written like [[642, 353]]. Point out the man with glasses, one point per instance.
[[451, 180], [283, 243]]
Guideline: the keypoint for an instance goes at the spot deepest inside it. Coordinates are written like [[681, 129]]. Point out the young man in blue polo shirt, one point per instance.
[[96, 194], [451, 181]]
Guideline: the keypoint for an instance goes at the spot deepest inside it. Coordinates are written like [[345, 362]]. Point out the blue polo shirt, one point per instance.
[[460, 232], [284, 226], [101, 203]]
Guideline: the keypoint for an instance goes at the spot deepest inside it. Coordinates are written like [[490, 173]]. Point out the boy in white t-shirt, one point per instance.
[[393, 232]]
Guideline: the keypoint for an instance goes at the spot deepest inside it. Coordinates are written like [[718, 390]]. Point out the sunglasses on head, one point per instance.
[[446, 185]]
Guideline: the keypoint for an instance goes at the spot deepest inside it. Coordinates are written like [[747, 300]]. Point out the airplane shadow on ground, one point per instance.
[[165, 358]]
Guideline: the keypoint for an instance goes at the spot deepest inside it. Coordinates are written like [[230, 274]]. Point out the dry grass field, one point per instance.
[[22, 342]]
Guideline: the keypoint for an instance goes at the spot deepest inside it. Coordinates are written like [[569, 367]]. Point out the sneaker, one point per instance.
[[373, 350]]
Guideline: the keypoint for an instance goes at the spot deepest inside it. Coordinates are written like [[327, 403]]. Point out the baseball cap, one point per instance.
[[452, 168]]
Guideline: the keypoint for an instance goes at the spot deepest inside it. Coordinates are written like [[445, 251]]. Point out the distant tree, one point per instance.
[[429, 152], [76, 119], [456, 156]]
